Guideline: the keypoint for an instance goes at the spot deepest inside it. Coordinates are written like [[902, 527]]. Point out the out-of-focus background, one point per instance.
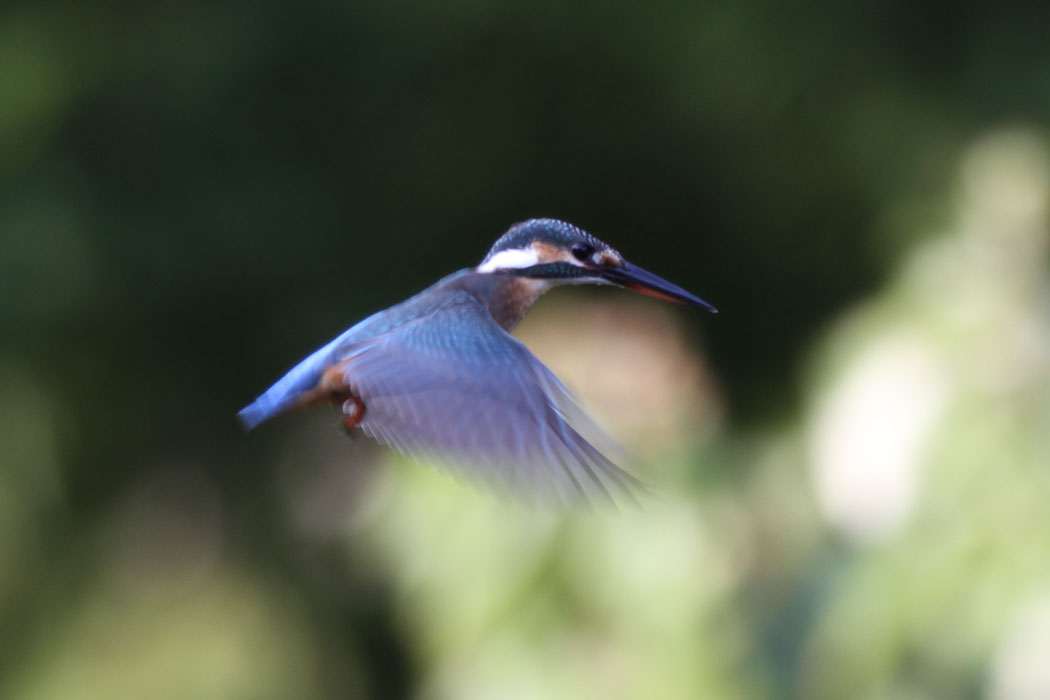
[[852, 461]]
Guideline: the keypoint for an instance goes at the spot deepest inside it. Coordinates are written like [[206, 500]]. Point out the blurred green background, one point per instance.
[[852, 459]]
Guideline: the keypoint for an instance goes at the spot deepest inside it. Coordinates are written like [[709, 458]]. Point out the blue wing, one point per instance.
[[454, 387], [445, 382], [288, 392]]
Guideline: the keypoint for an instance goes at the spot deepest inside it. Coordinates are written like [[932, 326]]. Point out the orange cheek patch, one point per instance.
[[547, 253], [611, 259]]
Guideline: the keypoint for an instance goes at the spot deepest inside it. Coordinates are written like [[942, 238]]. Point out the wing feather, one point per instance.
[[454, 385]]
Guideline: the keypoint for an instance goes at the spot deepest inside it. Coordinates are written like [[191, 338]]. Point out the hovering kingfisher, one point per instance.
[[440, 376]]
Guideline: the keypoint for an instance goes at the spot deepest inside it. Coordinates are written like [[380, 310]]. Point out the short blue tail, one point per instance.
[[285, 394], [260, 411]]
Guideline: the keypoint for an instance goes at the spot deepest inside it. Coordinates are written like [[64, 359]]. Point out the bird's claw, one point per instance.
[[353, 412]]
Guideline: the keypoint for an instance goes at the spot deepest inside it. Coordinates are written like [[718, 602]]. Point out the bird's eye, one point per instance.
[[582, 251]]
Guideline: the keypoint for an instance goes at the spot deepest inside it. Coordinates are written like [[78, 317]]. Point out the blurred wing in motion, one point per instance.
[[454, 387]]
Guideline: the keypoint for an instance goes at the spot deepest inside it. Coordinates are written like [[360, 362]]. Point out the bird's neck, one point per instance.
[[517, 295], [506, 296]]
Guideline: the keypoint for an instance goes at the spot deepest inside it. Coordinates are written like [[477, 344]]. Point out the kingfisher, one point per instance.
[[440, 377]]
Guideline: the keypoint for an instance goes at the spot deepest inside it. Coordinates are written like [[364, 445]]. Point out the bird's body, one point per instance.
[[440, 376]]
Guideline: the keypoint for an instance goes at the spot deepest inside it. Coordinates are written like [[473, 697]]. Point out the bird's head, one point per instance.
[[560, 253]]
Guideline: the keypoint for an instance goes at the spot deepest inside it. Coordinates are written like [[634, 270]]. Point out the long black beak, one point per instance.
[[639, 280]]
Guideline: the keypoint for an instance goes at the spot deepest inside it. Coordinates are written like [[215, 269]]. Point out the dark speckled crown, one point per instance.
[[553, 231]]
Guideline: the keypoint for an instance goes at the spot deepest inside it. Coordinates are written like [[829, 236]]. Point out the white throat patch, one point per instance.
[[511, 259]]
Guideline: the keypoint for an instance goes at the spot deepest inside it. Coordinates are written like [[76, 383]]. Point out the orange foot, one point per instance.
[[353, 411]]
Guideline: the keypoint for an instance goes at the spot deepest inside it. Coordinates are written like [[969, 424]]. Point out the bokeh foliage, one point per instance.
[[851, 459]]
